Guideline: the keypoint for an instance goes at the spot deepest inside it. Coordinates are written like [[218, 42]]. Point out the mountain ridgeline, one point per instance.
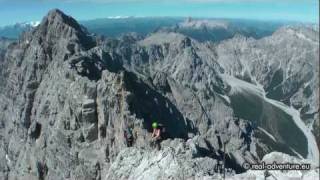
[[208, 29], [67, 96]]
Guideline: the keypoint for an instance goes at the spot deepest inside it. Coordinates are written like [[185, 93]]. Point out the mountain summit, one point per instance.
[[57, 26], [55, 17]]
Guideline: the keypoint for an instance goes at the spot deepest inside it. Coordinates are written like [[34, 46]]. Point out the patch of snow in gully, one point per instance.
[[267, 133]]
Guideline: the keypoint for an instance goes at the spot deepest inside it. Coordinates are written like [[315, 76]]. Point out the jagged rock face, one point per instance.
[[187, 74], [4, 44], [58, 27], [176, 160], [285, 64], [47, 99], [282, 63], [68, 100]]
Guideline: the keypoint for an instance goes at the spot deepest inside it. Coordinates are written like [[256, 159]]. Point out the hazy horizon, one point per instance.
[[304, 11]]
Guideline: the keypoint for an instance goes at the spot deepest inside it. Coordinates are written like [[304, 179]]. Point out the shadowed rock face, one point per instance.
[[65, 102], [4, 45], [148, 104]]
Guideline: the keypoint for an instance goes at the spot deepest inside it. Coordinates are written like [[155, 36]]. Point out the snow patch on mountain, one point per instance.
[[300, 35], [119, 17], [28, 24], [204, 23], [239, 86], [268, 134]]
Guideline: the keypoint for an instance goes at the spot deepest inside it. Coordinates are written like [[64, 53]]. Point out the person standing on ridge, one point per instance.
[[156, 135]]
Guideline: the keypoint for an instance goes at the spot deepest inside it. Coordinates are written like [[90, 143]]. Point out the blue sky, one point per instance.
[[12, 11]]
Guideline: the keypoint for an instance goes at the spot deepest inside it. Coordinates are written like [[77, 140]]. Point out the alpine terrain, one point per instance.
[[67, 96]]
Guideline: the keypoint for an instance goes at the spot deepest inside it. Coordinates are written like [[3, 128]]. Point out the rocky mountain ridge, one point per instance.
[[67, 98]]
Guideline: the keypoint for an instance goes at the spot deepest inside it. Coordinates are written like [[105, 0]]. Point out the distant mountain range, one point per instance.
[[201, 29], [14, 31]]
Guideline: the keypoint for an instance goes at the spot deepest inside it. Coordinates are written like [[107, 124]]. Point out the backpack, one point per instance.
[[163, 130]]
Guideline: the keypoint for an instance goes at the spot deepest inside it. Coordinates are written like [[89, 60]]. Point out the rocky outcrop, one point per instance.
[[181, 162], [175, 161]]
